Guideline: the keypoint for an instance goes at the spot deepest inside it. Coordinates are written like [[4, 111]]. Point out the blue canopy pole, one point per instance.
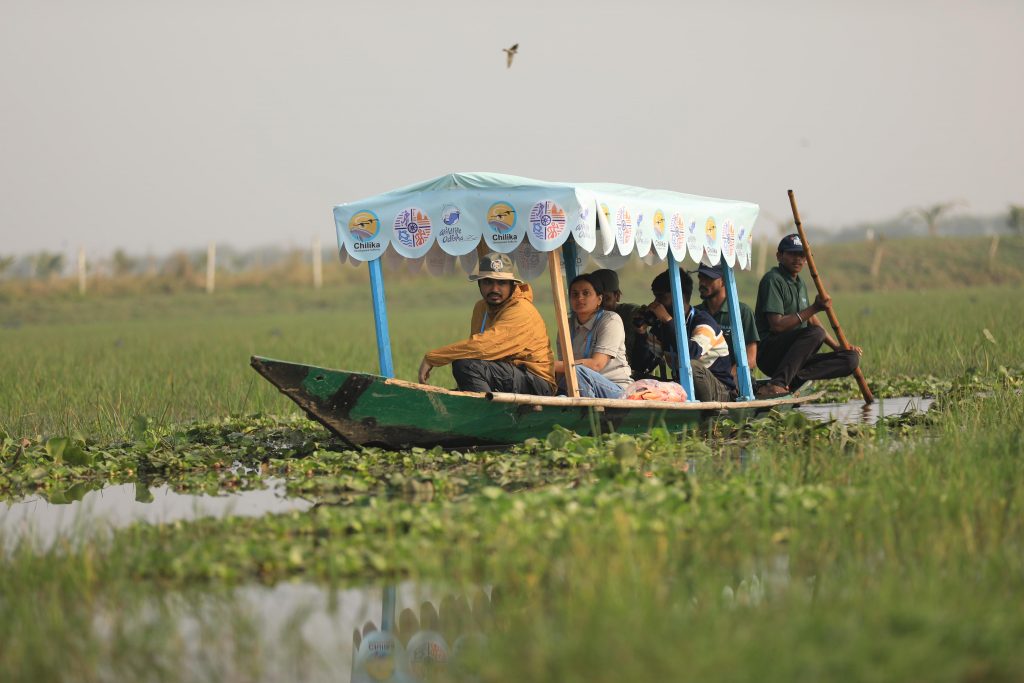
[[387, 369], [679, 322], [569, 258], [739, 342], [380, 318]]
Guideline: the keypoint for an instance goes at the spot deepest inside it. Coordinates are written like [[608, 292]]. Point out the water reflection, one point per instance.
[[429, 643], [118, 506], [857, 412]]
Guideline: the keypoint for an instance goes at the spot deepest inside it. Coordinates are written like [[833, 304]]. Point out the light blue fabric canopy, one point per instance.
[[452, 213]]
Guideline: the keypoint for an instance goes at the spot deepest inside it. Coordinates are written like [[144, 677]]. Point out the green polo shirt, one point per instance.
[[750, 333], [780, 293]]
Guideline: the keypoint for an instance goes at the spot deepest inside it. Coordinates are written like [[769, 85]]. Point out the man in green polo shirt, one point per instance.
[[790, 333], [715, 302]]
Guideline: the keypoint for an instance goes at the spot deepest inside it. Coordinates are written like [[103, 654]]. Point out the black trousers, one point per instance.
[[792, 358], [497, 375]]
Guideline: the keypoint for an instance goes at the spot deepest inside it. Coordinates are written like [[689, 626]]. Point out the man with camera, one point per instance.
[[709, 352]]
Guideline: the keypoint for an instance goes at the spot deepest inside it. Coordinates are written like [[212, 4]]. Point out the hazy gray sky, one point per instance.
[[152, 126]]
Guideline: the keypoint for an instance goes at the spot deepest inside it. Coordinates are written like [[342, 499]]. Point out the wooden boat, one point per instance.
[[446, 218], [371, 410]]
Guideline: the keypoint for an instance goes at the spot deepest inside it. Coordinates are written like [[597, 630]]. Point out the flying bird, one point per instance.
[[510, 52]]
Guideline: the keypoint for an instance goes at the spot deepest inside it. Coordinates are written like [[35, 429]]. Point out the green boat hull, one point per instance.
[[370, 410]]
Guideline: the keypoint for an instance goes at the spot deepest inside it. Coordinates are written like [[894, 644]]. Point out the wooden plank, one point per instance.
[[562, 319], [621, 403]]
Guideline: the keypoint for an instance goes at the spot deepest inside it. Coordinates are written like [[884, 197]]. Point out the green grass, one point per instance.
[[824, 552], [91, 366]]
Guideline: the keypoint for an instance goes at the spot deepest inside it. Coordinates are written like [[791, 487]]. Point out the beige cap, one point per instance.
[[495, 267]]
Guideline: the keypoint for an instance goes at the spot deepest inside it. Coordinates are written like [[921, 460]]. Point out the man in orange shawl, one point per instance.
[[508, 349]]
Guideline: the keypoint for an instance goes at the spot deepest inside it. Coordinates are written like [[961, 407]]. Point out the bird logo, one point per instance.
[[510, 53]]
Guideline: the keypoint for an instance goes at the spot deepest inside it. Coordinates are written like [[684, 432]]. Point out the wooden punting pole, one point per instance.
[[562, 319], [840, 337]]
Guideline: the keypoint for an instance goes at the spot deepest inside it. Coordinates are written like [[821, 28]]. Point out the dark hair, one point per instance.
[[662, 285], [594, 281], [609, 278]]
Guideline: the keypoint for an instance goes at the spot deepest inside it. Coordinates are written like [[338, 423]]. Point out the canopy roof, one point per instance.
[[452, 213]]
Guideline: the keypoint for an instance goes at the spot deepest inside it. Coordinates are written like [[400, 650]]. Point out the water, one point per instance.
[[118, 506], [857, 412]]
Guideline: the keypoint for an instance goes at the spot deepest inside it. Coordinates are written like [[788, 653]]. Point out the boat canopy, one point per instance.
[[451, 214]]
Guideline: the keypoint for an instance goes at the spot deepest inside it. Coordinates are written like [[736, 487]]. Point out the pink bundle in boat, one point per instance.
[[653, 390]]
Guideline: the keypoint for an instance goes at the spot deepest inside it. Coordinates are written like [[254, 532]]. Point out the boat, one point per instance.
[[541, 225], [371, 410]]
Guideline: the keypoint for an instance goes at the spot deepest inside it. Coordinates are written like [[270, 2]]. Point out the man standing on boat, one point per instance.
[[508, 349], [711, 285], [790, 333], [709, 353]]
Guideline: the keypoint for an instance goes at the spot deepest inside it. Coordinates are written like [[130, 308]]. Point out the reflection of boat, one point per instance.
[[370, 410]]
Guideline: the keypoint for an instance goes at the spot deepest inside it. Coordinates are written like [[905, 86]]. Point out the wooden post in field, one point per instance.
[[876, 261], [81, 270], [211, 267], [993, 249], [318, 266], [762, 258]]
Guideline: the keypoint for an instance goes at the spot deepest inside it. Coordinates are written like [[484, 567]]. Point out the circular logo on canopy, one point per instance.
[[501, 217], [547, 220], [659, 224], [412, 227], [710, 230], [624, 225], [364, 225], [451, 215]]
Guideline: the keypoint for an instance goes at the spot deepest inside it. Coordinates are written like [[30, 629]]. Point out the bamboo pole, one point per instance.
[[318, 266], [861, 382], [562, 319], [627, 404], [211, 267]]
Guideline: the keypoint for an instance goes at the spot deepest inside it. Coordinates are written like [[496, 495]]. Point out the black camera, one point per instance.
[[644, 317]]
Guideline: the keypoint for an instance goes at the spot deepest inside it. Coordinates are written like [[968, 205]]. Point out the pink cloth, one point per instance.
[[653, 390]]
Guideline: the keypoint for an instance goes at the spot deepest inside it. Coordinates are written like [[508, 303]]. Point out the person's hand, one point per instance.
[[425, 368], [822, 303], [659, 311]]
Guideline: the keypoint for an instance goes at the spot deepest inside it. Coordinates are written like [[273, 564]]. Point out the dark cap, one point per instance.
[[791, 243], [712, 272], [609, 278]]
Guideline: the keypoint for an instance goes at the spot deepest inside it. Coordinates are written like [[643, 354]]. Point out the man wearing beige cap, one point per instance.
[[508, 349]]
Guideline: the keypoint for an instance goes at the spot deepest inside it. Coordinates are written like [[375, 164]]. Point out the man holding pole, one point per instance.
[[790, 333]]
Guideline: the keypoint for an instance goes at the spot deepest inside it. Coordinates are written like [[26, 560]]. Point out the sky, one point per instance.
[[153, 126]]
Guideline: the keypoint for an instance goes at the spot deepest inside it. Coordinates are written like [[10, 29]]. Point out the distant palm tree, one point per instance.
[[931, 214]]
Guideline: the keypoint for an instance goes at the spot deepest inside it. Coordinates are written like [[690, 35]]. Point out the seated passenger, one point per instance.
[[641, 359], [508, 349], [711, 286], [709, 352], [790, 333], [598, 343]]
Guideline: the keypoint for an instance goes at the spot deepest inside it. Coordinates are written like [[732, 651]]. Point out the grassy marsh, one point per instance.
[[783, 549]]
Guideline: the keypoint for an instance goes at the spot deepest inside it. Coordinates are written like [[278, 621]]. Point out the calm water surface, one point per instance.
[[857, 412]]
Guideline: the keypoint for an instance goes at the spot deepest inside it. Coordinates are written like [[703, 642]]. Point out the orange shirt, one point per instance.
[[514, 332]]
